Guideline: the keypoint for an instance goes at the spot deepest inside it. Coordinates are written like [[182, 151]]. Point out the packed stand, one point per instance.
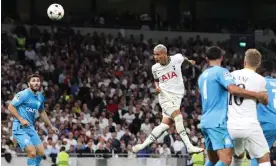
[[99, 90]]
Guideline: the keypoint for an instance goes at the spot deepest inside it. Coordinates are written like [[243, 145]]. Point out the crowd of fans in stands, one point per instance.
[[99, 90]]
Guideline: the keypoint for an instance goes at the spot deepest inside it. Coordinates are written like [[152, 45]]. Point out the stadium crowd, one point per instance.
[[99, 89]]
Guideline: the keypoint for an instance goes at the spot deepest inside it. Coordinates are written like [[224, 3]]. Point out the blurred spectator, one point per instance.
[[178, 145], [170, 138], [165, 151], [146, 127]]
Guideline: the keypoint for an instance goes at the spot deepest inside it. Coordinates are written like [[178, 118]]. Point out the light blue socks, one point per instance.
[[209, 163], [220, 163], [38, 160], [31, 162]]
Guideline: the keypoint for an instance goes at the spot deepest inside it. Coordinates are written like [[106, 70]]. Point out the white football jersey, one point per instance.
[[242, 113], [170, 76]]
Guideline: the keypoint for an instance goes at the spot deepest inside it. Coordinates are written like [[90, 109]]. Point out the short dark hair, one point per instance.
[[62, 149], [32, 76], [213, 53]]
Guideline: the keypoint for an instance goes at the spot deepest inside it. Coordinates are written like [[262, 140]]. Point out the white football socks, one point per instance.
[[265, 164], [181, 130], [155, 134]]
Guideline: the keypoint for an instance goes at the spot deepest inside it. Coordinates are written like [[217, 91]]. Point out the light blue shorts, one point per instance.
[[25, 136], [217, 138]]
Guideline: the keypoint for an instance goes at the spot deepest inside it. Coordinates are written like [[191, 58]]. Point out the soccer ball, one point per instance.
[[55, 11]]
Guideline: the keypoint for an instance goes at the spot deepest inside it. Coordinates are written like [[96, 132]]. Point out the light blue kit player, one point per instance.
[[267, 114], [214, 84], [26, 107]]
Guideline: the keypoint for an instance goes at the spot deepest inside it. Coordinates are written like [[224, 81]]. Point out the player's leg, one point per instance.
[[31, 153], [225, 157], [25, 144], [179, 126], [38, 146], [162, 127], [213, 158], [254, 162], [172, 108], [239, 152], [155, 134], [212, 155], [222, 144], [39, 154], [257, 147], [238, 160], [264, 160], [238, 137], [270, 136]]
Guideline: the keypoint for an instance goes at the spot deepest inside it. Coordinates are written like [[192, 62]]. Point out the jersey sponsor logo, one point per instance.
[[31, 110], [168, 76], [227, 76]]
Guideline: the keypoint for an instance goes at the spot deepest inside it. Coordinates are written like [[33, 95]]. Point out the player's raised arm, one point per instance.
[[17, 100], [187, 61]]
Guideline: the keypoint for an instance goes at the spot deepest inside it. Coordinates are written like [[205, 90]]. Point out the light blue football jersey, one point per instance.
[[213, 83], [267, 114], [28, 105]]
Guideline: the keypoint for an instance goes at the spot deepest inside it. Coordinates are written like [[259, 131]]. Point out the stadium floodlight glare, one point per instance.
[[242, 44]]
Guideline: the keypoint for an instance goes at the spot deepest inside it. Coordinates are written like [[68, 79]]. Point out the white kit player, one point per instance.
[[169, 84], [243, 125]]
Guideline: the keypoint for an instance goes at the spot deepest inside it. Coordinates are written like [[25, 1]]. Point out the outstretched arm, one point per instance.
[[46, 119], [187, 61], [225, 78], [237, 91]]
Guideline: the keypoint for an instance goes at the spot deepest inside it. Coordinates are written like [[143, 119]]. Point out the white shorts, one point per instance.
[[169, 102], [251, 140]]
